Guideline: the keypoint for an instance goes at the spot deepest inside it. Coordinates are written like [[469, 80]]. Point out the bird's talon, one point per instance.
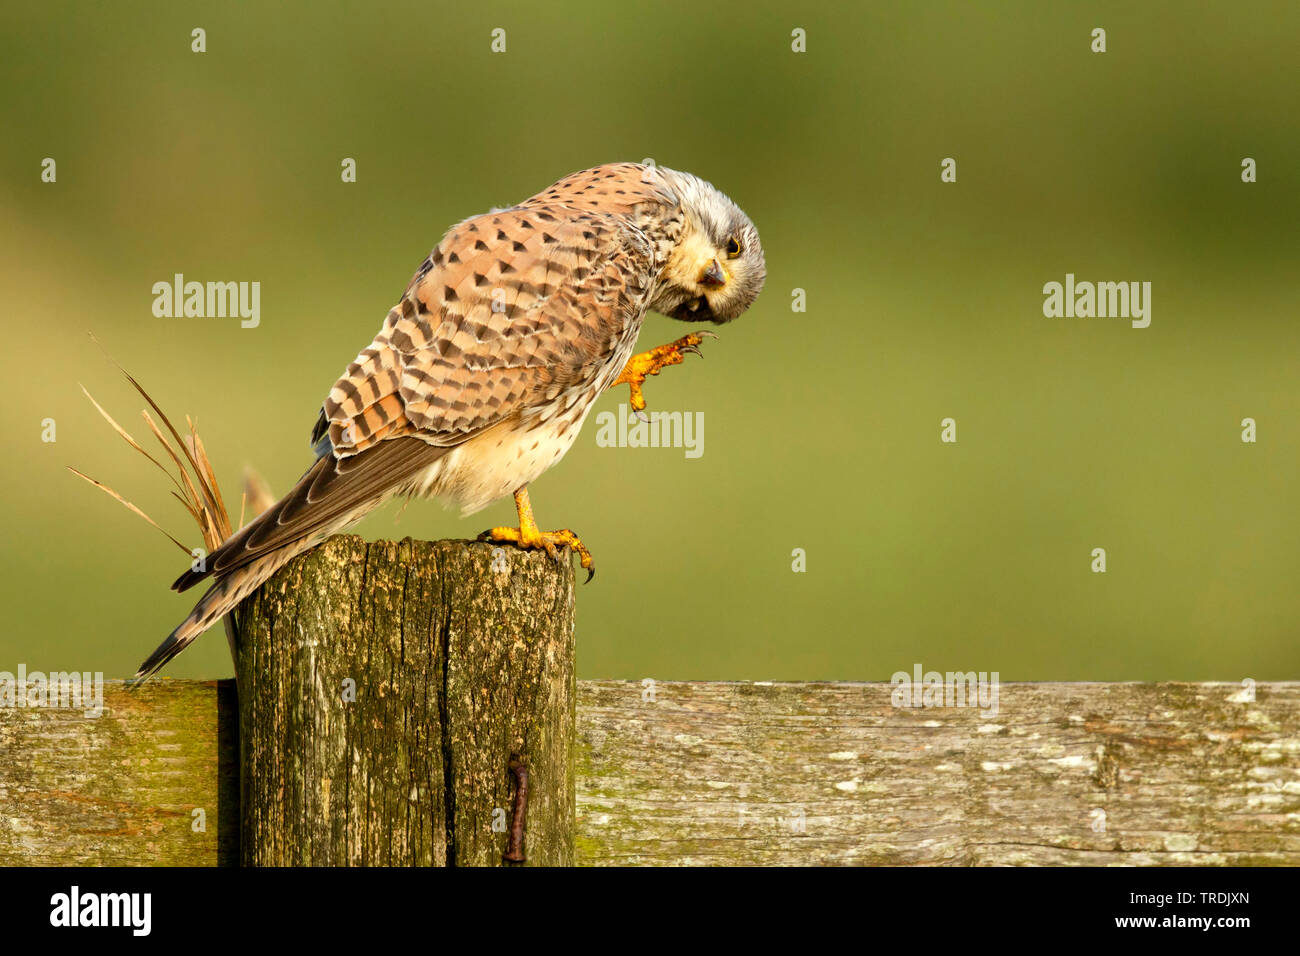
[[639, 367], [529, 538]]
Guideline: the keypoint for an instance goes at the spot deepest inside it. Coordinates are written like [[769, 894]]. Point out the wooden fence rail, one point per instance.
[[742, 773], [414, 703]]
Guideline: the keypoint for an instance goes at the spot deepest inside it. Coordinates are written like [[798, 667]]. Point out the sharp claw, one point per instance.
[[591, 573], [712, 335], [640, 413]]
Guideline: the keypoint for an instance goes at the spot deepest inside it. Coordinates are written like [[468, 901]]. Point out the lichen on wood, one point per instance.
[[691, 773], [151, 781], [833, 773], [384, 688]]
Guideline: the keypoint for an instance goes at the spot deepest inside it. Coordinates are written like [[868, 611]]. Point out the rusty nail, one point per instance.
[[515, 851]]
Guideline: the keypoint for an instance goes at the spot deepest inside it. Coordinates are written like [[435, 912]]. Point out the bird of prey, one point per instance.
[[484, 371]]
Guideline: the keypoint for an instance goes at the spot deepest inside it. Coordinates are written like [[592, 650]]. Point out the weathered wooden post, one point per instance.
[[395, 697]]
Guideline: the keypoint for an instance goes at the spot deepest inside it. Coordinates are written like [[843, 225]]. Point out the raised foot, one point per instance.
[[549, 541], [644, 364]]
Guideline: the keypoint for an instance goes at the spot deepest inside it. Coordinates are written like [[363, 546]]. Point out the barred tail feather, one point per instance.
[[331, 495], [219, 601]]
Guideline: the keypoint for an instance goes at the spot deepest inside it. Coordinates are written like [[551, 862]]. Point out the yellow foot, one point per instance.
[[548, 541], [644, 364]]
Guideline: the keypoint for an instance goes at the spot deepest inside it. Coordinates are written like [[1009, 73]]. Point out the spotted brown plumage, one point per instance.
[[483, 373]]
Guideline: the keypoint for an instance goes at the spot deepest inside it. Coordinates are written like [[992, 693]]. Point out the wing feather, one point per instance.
[[512, 308], [510, 311], [332, 491]]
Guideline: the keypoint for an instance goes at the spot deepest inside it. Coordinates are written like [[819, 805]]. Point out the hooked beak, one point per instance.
[[713, 275]]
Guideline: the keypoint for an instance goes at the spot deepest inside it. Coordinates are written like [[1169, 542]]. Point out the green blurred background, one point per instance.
[[821, 429]]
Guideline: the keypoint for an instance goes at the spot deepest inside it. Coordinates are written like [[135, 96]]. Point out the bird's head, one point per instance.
[[716, 269]]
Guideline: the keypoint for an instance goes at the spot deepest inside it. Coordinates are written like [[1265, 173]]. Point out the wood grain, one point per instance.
[[153, 781], [385, 688], [457, 667], [1094, 774]]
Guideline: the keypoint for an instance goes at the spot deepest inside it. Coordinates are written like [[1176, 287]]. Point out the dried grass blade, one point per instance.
[[195, 502], [126, 436], [198, 473], [113, 494]]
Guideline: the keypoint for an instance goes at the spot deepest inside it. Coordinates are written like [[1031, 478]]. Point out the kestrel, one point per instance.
[[484, 372]]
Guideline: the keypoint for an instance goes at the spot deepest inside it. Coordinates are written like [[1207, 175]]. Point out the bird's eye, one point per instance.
[[733, 248]]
